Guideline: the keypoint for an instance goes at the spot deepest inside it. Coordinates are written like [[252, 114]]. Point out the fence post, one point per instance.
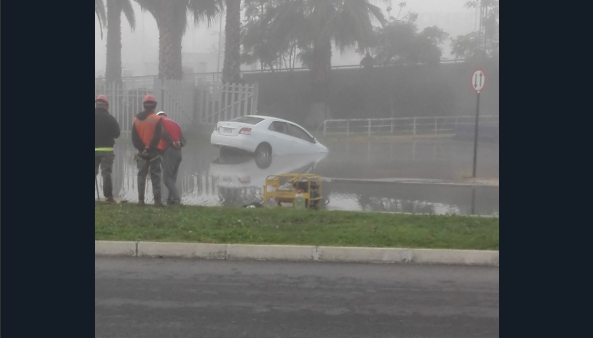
[[220, 103], [347, 128], [228, 94], [369, 128], [242, 90], [392, 126], [436, 129], [255, 94], [414, 127], [250, 91], [158, 91]]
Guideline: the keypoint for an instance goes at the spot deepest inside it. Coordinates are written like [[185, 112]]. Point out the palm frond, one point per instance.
[[377, 14], [128, 10], [205, 10], [101, 14], [151, 6], [100, 11]]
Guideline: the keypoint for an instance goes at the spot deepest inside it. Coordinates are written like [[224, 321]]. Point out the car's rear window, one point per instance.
[[248, 120]]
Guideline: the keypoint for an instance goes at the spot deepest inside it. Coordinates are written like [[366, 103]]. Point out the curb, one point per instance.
[[297, 253], [104, 248]]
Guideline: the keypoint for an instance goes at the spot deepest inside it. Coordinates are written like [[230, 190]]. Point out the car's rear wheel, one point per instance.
[[263, 151], [263, 156]]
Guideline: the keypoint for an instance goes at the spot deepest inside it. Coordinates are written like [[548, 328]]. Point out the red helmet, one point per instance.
[[102, 98], [102, 102], [149, 98]]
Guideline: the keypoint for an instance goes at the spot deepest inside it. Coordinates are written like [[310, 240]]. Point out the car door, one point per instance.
[[303, 142], [280, 140]]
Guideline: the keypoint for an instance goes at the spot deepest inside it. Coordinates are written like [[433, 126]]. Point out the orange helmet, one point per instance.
[[149, 98], [149, 102], [101, 101]]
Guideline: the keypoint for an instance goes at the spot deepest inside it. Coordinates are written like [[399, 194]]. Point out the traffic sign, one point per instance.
[[478, 80]]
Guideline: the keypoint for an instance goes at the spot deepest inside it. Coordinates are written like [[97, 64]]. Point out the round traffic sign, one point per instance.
[[478, 80]]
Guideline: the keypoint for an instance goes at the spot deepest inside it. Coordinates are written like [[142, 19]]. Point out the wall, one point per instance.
[[398, 91]]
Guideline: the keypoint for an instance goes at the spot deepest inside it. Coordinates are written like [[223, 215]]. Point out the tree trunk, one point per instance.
[[113, 67], [320, 75], [231, 71], [321, 62], [170, 36]]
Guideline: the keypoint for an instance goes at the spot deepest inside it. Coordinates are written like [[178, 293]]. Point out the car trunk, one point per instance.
[[231, 128]]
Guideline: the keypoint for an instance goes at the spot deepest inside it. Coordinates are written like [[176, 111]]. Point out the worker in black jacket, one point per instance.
[[106, 131]]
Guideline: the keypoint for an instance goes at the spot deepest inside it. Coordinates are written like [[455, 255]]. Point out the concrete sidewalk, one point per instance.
[[297, 253]]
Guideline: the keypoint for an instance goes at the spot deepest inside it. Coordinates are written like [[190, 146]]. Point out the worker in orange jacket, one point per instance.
[[146, 136]]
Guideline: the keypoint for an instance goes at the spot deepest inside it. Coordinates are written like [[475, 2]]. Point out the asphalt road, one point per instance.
[[137, 297]]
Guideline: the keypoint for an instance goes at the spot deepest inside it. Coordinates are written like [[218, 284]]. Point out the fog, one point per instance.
[[140, 47], [397, 135]]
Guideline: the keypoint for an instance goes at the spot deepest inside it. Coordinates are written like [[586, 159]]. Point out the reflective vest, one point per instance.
[[172, 129], [146, 129]]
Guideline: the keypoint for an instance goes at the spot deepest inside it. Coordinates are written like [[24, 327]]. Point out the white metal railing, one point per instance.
[[124, 102], [177, 99], [413, 126], [222, 102], [148, 81], [131, 82], [194, 99], [357, 66]]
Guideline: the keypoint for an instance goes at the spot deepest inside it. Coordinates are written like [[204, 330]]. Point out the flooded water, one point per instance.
[[422, 176]]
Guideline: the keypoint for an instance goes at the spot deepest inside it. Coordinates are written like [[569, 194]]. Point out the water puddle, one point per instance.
[[409, 178]]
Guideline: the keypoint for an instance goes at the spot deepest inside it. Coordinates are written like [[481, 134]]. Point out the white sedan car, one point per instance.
[[264, 136]]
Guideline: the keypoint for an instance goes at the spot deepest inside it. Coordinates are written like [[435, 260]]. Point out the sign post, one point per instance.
[[478, 81]]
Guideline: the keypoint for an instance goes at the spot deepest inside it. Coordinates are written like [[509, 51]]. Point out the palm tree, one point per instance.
[[231, 71], [171, 19], [100, 13], [114, 10], [346, 23]]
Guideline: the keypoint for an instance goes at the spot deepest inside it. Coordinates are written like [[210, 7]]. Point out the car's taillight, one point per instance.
[[216, 127], [245, 131]]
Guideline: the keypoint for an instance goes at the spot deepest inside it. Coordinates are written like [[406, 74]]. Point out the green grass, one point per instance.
[[128, 222]]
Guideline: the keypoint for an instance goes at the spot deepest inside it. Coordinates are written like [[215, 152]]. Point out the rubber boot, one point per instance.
[[158, 202]]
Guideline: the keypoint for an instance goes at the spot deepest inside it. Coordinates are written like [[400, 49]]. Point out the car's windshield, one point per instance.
[[248, 120]]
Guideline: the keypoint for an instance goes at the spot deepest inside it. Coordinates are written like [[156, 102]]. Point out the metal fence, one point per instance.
[[223, 102], [147, 81], [125, 102], [177, 99], [197, 100], [414, 126], [356, 66]]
